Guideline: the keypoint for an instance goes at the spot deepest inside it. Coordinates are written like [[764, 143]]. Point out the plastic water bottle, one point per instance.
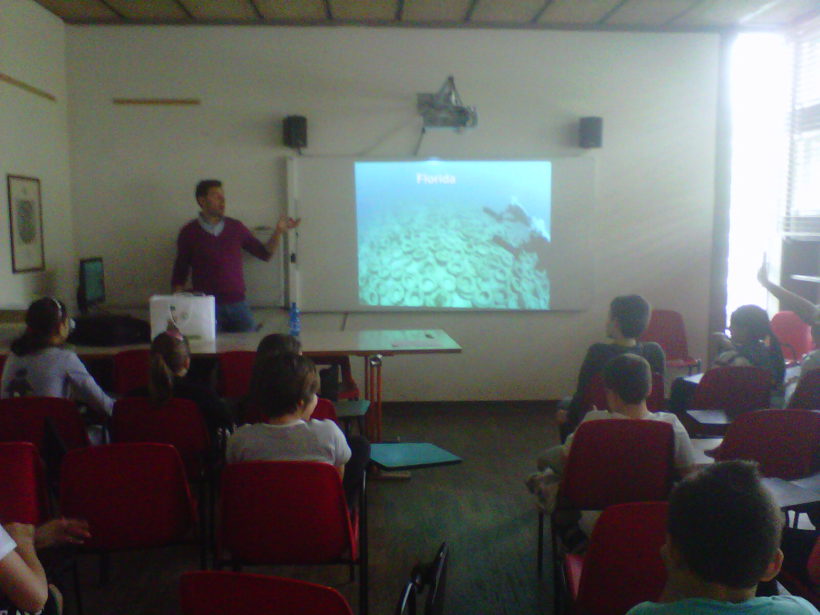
[[294, 323]]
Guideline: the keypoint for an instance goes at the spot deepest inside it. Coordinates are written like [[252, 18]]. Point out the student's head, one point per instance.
[[211, 197], [749, 323], [627, 380], [170, 358], [283, 384], [278, 343], [47, 324], [628, 316], [724, 527]]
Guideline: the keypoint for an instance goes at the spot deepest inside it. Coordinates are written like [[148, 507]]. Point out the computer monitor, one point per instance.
[[91, 291]]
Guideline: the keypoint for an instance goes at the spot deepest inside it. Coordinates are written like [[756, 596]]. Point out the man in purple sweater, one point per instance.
[[211, 248]]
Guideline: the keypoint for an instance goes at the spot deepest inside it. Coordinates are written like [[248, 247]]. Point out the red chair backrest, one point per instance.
[[783, 442], [235, 369], [284, 512], [131, 370], [23, 496], [132, 495], [218, 593], [324, 410], [623, 565], [793, 334], [735, 389], [666, 328], [23, 419], [594, 394], [177, 422], [807, 392], [619, 460]]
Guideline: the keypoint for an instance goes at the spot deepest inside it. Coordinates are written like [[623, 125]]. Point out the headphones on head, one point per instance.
[[63, 314]]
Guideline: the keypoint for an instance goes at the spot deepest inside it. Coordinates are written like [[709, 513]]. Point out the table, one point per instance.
[[371, 344], [396, 456]]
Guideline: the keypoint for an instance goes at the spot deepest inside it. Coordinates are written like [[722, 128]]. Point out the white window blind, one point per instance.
[[802, 215]]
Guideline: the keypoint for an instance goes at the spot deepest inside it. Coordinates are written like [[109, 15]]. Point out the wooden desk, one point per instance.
[[373, 345]]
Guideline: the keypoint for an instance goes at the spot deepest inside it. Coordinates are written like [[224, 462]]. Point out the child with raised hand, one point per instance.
[[723, 538], [284, 388], [751, 343]]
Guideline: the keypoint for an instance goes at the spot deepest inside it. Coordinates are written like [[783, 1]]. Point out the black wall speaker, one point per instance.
[[294, 131], [591, 132]]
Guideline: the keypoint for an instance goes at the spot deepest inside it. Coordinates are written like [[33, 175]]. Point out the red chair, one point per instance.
[[623, 565], [235, 370], [131, 370], [348, 389], [177, 422], [783, 442], [612, 462], [806, 394], [594, 394], [301, 506], [666, 328], [799, 584], [134, 496], [24, 419], [793, 334], [218, 593], [23, 497], [734, 389]]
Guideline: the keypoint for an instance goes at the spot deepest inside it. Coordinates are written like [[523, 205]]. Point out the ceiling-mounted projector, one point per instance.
[[444, 109]]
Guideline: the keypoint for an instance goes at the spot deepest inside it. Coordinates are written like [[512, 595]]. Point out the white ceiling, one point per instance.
[[672, 15]]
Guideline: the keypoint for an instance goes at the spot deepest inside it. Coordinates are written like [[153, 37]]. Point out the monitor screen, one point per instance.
[[92, 282]]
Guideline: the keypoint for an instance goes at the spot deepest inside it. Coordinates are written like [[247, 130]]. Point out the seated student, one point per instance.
[[284, 388], [627, 384], [170, 362], [39, 365], [628, 318], [750, 343], [23, 584], [723, 537]]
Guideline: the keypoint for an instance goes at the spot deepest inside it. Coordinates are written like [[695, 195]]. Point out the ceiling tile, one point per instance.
[[649, 12], [80, 10], [506, 11], [149, 10], [370, 10], [581, 12], [292, 10], [438, 11], [221, 10]]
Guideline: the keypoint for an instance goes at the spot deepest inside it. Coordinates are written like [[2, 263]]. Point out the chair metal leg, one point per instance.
[[77, 590], [540, 543], [363, 555], [105, 564]]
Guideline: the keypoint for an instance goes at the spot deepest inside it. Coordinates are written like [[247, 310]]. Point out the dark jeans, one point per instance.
[[234, 317], [355, 467]]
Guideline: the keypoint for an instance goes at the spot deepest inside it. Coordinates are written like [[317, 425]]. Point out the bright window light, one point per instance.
[[760, 89]]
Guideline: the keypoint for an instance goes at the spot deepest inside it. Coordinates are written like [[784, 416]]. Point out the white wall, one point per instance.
[[34, 143], [134, 168]]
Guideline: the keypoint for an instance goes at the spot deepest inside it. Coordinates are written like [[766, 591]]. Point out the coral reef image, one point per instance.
[[464, 260]]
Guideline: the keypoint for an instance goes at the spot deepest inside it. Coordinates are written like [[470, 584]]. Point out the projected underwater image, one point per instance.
[[445, 234]]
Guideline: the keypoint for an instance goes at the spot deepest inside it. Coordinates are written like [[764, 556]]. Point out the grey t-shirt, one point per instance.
[[314, 440], [53, 372]]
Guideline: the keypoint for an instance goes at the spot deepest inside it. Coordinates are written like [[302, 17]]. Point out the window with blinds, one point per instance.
[[802, 215]]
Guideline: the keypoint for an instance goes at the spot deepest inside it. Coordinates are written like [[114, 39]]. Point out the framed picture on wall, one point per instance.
[[25, 224]]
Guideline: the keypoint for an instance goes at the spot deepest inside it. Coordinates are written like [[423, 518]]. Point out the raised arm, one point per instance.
[[284, 225], [804, 308]]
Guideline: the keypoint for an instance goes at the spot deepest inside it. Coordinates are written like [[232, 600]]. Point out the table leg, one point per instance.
[[373, 392]]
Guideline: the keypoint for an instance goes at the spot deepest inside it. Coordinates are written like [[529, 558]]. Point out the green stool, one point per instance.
[[348, 410]]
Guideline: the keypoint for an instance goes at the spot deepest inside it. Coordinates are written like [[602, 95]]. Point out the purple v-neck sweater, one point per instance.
[[215, 262]]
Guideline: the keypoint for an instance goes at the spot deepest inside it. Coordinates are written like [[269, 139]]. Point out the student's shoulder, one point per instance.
[[326, 427], [790, 605]]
